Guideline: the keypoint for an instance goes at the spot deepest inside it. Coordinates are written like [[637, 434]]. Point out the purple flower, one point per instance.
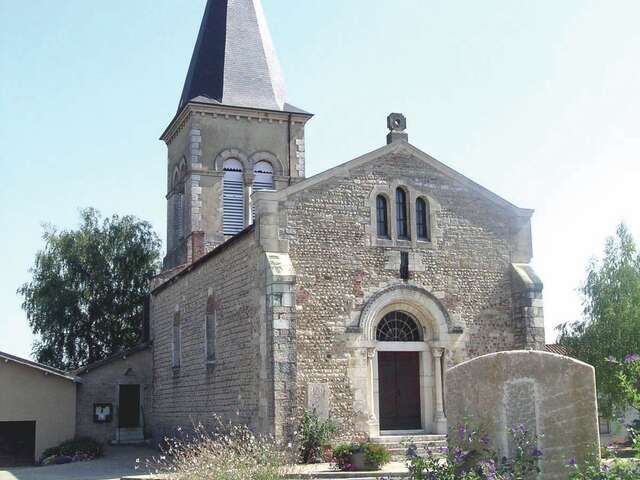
[[632, 357], [572, 462], [461, 432], [536, 453]]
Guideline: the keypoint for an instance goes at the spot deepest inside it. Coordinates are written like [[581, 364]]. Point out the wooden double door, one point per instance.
[[399, 386]]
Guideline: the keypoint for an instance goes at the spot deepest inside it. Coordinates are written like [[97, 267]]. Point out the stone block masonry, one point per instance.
[[552, 395], [197, 389]]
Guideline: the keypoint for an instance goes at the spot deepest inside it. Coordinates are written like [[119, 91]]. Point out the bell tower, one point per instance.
[[234, 132]]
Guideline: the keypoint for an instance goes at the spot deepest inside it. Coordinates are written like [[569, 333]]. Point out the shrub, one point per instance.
[[78, 446], [595, 470], [231, 452], [314, 434]]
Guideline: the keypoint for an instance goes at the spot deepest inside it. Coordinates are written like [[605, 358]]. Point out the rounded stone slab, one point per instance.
[[552, 395]]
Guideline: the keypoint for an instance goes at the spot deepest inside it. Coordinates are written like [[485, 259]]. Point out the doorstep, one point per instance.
[[323, 471]]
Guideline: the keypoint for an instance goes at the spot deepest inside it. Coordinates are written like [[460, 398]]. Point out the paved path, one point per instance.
[[116, 463]]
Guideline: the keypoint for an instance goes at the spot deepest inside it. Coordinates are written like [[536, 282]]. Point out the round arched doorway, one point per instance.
[[399, 372]]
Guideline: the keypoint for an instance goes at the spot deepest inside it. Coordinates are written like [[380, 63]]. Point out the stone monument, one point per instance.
[[552, 395]]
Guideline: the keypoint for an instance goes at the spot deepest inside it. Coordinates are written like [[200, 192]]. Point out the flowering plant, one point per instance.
[[469, 457], [375, 455], [593, 469]]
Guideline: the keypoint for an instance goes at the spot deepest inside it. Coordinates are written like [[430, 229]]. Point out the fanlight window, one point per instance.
[[262, 180], [233, 197], [398, 327]]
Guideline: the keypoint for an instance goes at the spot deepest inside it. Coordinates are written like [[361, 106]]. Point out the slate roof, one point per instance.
[[7, 357], [234, 61]]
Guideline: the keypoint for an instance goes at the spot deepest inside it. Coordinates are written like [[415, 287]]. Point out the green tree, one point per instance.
[[611, 324], [86, 297]]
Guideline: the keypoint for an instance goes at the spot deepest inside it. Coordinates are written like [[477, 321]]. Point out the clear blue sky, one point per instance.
[[537, 101]]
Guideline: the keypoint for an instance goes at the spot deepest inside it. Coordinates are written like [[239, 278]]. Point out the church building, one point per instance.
[[350, 292]]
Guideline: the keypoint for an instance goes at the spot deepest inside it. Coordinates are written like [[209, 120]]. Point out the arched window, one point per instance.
[[382, 216], [422, 220], [262, 179], [398, 327], [178, 205], [233, 197], [401, 214], [210, 325]]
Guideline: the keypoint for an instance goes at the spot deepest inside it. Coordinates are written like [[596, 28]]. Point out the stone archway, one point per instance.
[[427, 350]]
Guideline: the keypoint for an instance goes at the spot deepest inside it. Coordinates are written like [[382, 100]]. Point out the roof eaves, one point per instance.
[[116, 356], [39, 366], [202, 260]]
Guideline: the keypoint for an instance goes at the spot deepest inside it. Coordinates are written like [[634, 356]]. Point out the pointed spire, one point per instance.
[[234, 62]]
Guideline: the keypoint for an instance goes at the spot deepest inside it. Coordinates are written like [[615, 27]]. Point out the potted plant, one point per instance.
[[360, 456]]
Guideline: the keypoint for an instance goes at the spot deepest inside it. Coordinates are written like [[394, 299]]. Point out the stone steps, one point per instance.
[[398, 444]]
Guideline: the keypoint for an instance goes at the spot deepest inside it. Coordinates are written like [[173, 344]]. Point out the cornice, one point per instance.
[[230, 112]]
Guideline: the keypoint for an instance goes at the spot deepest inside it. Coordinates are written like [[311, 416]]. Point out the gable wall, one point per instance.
[[101, 386], [329, 230], [196, 391]]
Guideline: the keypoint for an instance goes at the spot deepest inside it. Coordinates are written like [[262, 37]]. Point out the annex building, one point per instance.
[[350, 292]]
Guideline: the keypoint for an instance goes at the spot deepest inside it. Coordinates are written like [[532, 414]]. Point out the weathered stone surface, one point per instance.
[[552, 395], [318, 399]]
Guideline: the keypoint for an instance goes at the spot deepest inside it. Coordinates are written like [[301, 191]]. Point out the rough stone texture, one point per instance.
[[100, 385], [230, 388], [552, 395], [467, 266]]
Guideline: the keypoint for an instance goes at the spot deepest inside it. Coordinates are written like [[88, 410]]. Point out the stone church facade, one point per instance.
[[350, 292]]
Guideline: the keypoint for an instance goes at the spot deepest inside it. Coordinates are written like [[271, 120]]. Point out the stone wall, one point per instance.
[[340, 266], [230, 387], [550, 395], [198, 142], [100, 385]]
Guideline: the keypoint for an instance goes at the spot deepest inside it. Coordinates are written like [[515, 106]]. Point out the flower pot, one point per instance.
[[360, 462], [327, 453]]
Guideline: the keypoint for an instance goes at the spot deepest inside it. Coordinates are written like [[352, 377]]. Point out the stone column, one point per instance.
[[374, 428], [439, 419]]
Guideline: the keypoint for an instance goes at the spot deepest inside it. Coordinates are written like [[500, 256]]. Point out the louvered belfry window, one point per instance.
[[233, 197], [401, 214], [262, 180]]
